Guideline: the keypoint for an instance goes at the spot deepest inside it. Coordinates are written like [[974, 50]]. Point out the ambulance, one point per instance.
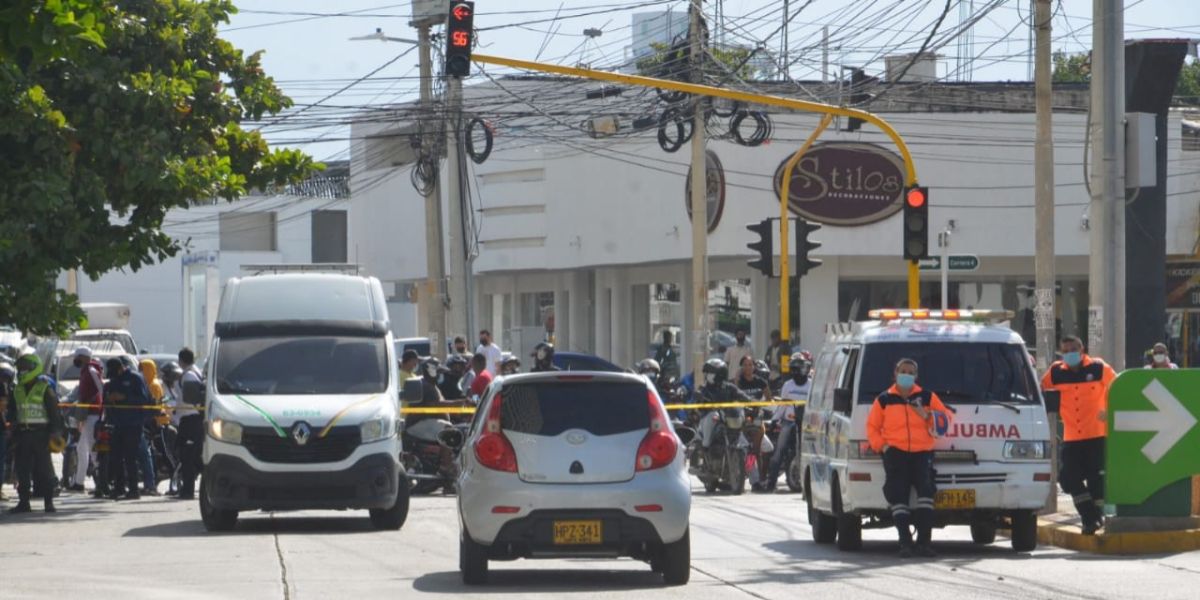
[[993, 461]]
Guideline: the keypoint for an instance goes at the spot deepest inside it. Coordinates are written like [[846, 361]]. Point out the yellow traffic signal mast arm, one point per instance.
[[910, 175]]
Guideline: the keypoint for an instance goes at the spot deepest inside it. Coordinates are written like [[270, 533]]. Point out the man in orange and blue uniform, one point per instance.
[[1082, 382], [901, 426]]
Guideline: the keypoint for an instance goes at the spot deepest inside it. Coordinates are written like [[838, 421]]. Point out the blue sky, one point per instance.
[[314, 57]]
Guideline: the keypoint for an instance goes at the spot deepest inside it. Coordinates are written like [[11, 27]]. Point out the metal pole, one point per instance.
[[1043, 173], [825, 54], [914, 284], [457, 305], [699, 201], [435, 263], [944, 244], [1106, 275]]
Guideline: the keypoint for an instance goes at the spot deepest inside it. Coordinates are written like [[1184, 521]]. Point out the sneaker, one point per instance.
[[1090, 528], [20, 508], [76, 488], [150, 492], [905, 551], [924, 551], [50, 507], [133, 496], [758, 488]]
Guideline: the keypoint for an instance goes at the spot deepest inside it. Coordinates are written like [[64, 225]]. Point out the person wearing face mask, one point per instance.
[[716, 389], [1082, 381], [901, 426], [1159, 359], [795, 390], [543, 358], [490, 350]]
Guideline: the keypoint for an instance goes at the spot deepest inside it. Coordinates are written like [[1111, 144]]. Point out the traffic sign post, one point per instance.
[[958, 262], [1152, 442]]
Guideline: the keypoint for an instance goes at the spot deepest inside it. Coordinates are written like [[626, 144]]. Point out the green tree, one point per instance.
[[110, 115], [1187, 89], [672, 62], [1072, 68]]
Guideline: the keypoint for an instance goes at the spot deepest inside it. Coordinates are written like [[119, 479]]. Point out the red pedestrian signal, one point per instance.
[[460, 37]]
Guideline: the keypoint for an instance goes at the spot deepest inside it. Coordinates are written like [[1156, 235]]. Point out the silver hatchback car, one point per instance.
[[573, 464]]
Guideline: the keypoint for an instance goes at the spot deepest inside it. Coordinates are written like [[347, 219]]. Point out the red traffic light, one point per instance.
[[915, 197], [461, 12]]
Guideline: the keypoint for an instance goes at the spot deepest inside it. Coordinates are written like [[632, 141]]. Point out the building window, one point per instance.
[[248, 231], [329, 236]]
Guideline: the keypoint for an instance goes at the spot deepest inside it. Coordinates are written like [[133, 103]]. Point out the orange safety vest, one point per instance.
[[894, 422], [1084, 394]]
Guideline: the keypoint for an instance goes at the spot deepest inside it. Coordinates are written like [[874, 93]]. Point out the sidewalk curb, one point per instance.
[[1157, 542]]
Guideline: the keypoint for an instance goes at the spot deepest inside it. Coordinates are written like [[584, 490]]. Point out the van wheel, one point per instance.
[[983, 533], [677, 561], [849, 525], [392, 519], [1024, 530], [472, 560], [824, 527], [214, 519]]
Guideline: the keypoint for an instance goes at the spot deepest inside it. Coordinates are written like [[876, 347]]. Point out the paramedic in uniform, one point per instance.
[[901, 427], [1083, 382]]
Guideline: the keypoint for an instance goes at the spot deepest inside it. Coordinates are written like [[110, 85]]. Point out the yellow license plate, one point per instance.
[[954, 499], [568, 533]]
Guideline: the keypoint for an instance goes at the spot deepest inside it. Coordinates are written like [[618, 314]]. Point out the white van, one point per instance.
[[992, 466], [302, 401]]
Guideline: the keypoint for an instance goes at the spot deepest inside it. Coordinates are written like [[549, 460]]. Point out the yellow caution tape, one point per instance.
[[151, 407], [428, 410], [468, 410]]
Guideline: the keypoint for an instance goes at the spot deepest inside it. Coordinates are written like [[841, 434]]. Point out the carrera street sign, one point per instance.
[[958, 262], [1153, 437], [845, 183]]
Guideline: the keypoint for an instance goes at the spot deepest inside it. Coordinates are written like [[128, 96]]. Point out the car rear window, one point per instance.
[[596, 407], [959, 372]]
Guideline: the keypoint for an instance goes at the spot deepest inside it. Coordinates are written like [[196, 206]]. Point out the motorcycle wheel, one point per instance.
[[794, 480], [710, 487], [736, 470]]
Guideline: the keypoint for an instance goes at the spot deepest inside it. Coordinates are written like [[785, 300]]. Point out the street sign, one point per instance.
[[1153, 434], [957, 262]]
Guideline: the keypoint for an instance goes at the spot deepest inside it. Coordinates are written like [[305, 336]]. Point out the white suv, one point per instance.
[[575, 464]]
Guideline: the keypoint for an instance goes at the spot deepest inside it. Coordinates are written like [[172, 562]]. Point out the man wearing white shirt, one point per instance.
[[795, 389], [489, 350]]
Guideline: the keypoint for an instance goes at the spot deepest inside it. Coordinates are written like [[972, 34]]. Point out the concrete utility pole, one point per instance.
[[457, 320], [699, 202], [435, 262], [1106, 275], [1043, 192]]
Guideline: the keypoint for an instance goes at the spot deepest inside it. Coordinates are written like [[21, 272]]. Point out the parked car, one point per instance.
[[420, 344], [580, 464]]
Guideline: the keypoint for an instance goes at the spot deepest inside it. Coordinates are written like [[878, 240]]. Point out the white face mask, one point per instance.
[[710, 378], [1160, 359]]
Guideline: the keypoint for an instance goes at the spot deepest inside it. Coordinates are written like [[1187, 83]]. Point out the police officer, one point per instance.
[[1083, 384], [543, 358], [36, 422], [901, 426]]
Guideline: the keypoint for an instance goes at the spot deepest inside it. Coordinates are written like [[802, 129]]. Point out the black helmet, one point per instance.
[[718, 368], [171, 371], [430, 366], [648, 365], [543, 352], [456, 360], [8, 373], [761, 369], [798, 363]]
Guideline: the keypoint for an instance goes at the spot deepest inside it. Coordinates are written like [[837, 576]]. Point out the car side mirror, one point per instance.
[[413, 391], [1053, 400], [685, 434], [451, 438], [843, 400]]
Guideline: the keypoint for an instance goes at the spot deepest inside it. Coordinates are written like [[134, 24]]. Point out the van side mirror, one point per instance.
[[685, 434], [843, 400], [451, 438], [413, 391], [1053, 400]]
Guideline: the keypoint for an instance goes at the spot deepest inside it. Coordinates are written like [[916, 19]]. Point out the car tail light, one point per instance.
[[1041, 477], [648, 508], [505, 510], [859, 476], [659, 448], [492, 449]]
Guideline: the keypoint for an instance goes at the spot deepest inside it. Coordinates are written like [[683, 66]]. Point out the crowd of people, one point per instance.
[[127, 428]]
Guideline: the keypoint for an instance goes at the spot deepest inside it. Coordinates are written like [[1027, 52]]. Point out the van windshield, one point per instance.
[[302, 365], [959, 372]]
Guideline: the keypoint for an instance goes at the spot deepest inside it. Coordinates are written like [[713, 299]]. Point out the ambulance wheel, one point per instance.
[[215, 519], [1024, 530], [849, 525], [983, 533], [393, 518], [824, 527]]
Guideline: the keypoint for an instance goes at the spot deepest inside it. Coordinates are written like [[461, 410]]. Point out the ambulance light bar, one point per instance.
[[920, 314]]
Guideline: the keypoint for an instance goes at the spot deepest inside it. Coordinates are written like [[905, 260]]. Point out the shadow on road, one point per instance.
[[260, 523], [528, 581]]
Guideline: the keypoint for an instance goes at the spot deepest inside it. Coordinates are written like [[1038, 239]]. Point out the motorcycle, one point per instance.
[[791, 458], [718, 456], [422, 461]]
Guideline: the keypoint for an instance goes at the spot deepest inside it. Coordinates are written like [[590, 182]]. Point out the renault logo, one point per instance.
[[301, 432], [576, 437]]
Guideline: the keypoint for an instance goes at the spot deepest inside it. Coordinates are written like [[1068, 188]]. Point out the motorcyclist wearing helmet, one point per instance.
[[36, 422], [795, 390], [425, 427], [543, 358], [450, 377], [716, 388], [649, 368], [756, 388], [510, 365]]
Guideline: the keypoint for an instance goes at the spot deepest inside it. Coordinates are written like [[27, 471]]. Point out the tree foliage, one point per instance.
[[1072, 68], [1187, 89], [110, 115], [673, 62]]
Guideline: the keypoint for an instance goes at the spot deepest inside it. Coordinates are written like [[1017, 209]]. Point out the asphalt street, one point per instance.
[[751, 546]]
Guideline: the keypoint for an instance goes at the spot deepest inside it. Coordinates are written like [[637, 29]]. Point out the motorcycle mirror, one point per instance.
[[685, 434], [451, 438], [412, 391]]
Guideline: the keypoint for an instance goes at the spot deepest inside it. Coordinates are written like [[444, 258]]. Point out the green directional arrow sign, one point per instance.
[[955, 262], [1153, 438]]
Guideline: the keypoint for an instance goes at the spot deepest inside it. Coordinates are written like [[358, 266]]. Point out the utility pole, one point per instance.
[[825, 54], [1106, 276], [1043, 173], [435, 262], [699, 201], [457, 305]]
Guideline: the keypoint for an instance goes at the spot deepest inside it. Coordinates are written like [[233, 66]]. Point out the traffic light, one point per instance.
[[916, 223], [858, 95], [764, 246], [460, 38], [804, 245]]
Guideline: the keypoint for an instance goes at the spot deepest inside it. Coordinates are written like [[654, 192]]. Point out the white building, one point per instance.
[[651, 28], [595, 231], [305, 224]]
